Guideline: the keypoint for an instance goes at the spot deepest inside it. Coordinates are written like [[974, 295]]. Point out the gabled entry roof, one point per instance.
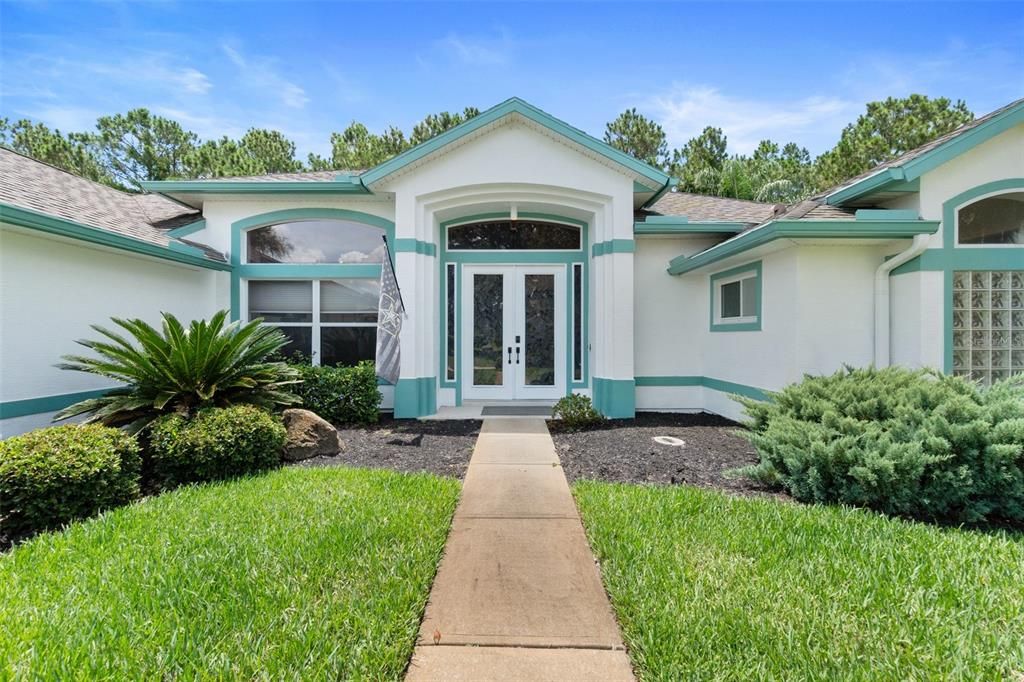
[[652, 178], [649, 182]]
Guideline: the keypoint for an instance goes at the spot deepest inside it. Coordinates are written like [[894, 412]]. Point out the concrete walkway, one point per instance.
[[518, 595]]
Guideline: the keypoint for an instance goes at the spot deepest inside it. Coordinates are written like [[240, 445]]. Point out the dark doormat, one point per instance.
[[516, 411]]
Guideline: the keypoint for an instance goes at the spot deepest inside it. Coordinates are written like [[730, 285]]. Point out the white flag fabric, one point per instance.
[[389, 323]]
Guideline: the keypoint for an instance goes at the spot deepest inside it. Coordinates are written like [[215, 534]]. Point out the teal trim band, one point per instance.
[[513, 257], [186, 230], [49, 403], [974, 258], [803, 229], [706, 382], [750, 326], [680, 225], [884, 214], [613, 246], [415, 397], [997, 123], [175, 252], [407, 245], [297, 271], [310, 271], [340, 185], [655, 177], [615, 398]]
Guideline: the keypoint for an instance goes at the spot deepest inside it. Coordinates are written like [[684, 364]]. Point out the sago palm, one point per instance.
[[208, 363]]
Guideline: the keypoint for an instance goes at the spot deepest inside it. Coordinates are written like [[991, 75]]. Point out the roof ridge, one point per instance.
[[715, 196]]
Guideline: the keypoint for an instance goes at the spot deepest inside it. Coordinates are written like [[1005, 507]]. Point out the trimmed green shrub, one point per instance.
[[576, 412], [216, 443], [341, 395], [919, 443], [53, 476], [182, 369]]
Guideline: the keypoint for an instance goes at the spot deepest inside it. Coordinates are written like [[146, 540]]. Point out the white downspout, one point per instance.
[[915, 249]]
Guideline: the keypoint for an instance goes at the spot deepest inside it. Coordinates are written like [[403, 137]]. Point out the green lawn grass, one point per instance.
[[708, 586], [298, 574]]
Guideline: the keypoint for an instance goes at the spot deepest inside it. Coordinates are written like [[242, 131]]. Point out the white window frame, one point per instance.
[[719, 284], [315, 323]]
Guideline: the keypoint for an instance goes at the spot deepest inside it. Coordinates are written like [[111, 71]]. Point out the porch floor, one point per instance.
[[474, 409]]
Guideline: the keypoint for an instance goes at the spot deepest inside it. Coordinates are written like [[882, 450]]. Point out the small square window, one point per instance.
[[735, 299]]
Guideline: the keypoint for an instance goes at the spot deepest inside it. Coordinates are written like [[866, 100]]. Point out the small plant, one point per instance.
[[576, 412], [341, 395], [216, 443], [53, 476], [182, 369], [911, 443]]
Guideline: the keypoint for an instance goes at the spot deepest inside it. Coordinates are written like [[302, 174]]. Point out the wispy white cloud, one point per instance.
[[477, 51], [685, 110], [261, 72], [193, 81]]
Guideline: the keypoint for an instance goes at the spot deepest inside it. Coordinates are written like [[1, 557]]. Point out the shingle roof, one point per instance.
[[698, 207], [812, 209], [302, 176], [923, 149], [27, 183]]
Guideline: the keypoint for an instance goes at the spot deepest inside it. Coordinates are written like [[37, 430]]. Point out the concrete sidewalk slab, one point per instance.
[[519, 582], [507, 664], [518, 594], [516, 491]]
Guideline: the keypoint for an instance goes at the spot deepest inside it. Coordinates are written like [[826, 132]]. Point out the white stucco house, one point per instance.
[[534, 261]]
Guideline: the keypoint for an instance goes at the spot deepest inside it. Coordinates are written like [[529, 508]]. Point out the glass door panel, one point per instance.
[[539, 328], [488, 329]]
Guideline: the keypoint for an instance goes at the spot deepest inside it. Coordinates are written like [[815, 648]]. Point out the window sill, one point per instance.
[[741, 325]]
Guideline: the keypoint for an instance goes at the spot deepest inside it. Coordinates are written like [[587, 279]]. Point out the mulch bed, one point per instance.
[[623, 451], [440, 447]]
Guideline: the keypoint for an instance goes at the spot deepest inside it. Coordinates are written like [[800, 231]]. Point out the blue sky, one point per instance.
[[794, 71]]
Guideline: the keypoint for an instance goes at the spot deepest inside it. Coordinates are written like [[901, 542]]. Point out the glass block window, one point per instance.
[[988, 324]]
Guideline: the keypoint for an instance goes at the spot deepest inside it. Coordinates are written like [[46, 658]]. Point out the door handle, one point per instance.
[[510, 355], [517, 355]]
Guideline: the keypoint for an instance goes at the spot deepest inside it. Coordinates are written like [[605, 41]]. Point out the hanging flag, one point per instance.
[[389, 321]]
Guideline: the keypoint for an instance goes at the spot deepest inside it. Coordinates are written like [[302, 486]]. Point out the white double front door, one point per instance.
[[513, 332]]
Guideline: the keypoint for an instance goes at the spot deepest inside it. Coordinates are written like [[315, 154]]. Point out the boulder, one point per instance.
[[309, 436]]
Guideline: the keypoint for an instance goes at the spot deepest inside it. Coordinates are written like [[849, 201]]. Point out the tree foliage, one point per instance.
[[127, 149], [638, 136], [52, 147], [887, 129]]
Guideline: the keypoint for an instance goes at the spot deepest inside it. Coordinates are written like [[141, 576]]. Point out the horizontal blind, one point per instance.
[[349, 296], [272, 296]]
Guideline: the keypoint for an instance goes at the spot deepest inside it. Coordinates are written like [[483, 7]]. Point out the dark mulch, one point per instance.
[[623, 451], [436, 447]]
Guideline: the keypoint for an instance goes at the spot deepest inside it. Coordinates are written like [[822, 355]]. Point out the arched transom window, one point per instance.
[[316, 242], [994, 220], [514, 235]]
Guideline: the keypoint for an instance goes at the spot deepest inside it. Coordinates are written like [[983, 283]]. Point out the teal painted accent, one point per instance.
[[613, 246], [407, 245], [736, 326], [806, 229], [974, 258], [309, 271], [639, 188], [682, 226], [415, 397], [656, 177], [42, 222], [568, 258], [186, 230], [669, 184], [241, 271], [49, 403], [615, 398], [342, 184], [884, 214], [706, 382], [914, 168]]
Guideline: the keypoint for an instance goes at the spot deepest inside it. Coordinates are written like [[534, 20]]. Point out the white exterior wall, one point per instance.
[[51, 290], [517, 164], [918, 298]]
